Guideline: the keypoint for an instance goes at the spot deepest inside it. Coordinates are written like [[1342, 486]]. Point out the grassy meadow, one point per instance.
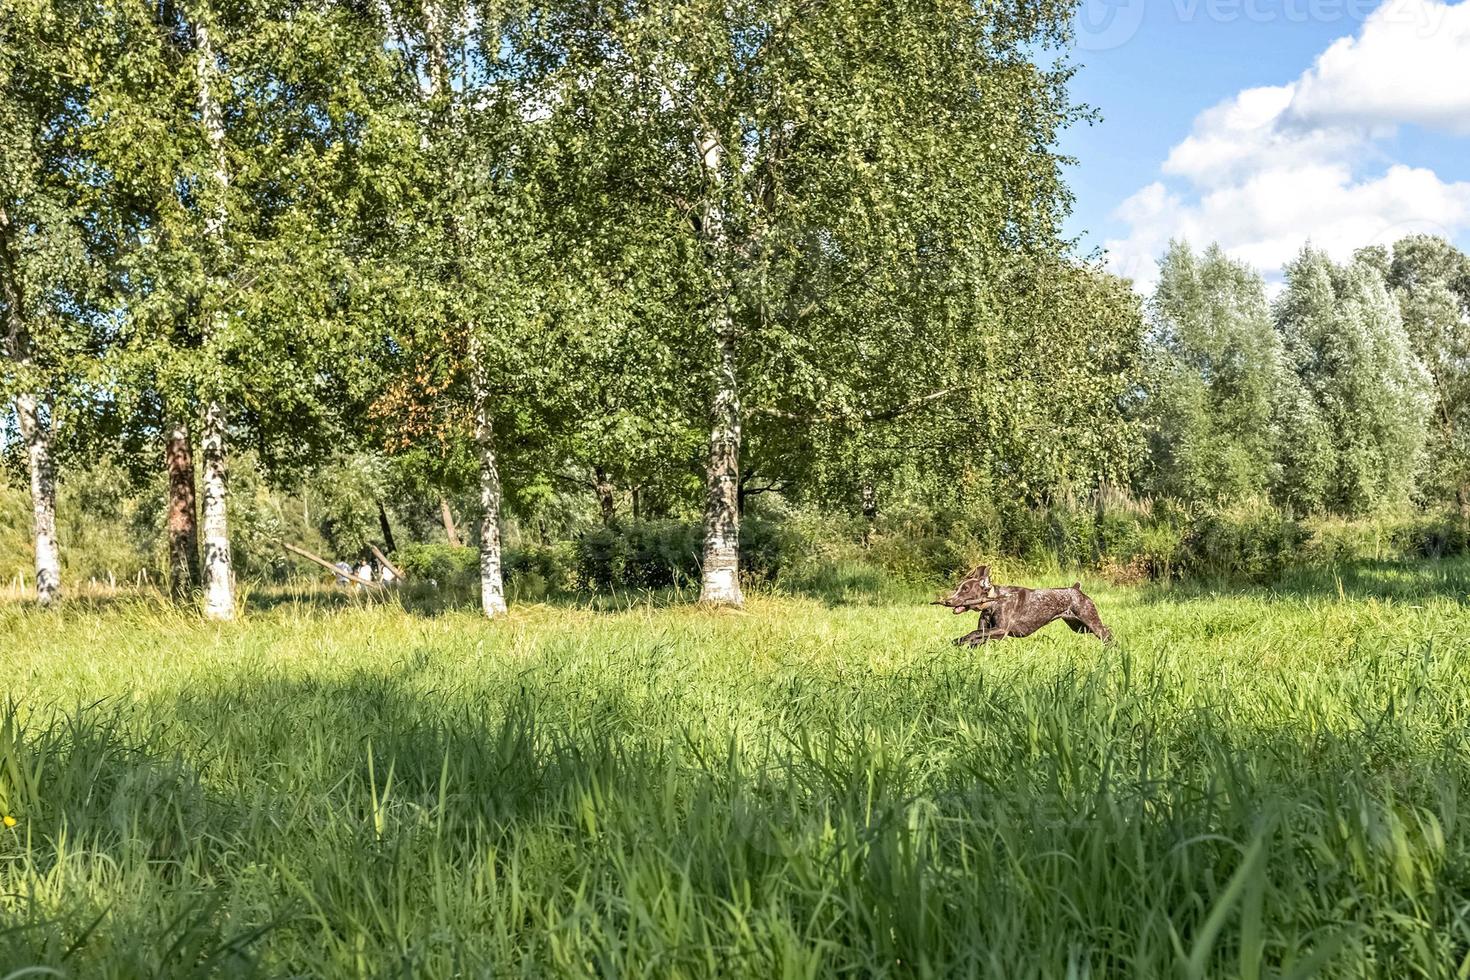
[[1252, 782]]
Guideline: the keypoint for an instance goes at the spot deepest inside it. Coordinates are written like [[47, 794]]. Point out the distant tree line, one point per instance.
[[1345, 395], [667, 255]]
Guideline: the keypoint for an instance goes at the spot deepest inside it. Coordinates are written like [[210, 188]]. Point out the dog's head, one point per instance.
[[973, 594]]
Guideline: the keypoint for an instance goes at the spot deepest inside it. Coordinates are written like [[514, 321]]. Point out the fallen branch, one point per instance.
[[350, 576], [383, 560]]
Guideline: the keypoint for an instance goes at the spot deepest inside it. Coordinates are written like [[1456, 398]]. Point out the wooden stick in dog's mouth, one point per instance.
[[958, 607]]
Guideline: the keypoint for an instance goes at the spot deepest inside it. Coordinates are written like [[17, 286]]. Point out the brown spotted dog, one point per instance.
[[1012, 610]]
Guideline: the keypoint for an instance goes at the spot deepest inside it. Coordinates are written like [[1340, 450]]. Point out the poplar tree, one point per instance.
[[1218, 372], [1431, 281], [1346, 339]]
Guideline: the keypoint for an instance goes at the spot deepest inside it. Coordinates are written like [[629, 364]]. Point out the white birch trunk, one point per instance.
[[720, 567], [219, 578], [34, 431], [492, 579], [37, 438]]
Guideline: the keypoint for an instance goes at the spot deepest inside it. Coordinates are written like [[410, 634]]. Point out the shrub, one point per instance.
[[1252, 541], [602, 559], [665, 554], [534, 572], [764, 548], [448, 565]]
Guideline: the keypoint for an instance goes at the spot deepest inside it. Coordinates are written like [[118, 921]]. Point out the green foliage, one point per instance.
[[536, 572], [109, 533], [1254, 541], [1217, 374], [1431, 280], [439, 565], [413, 224], [641, 555], [1346, 339], [665, 554], [533, 572], [661, 554]]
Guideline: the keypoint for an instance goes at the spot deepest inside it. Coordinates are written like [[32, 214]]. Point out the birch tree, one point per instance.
[[831, 158], [234, 144], [219, 574], [469, 308], [44, 268]]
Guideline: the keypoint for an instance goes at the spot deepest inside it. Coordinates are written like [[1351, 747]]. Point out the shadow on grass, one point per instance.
[[833, 585], [433, 821], [290, 796], [1411, 581]]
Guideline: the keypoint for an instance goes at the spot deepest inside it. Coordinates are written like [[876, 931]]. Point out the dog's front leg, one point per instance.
[[976, 637]]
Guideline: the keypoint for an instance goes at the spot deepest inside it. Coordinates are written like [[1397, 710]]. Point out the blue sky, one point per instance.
[[1262, 123]]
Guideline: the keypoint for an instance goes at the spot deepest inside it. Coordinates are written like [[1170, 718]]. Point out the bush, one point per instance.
[[666, 554], [765, 546], [602, 560], [533, 572], [660, 554], [1253, 542], [642, 555], [446, 565]]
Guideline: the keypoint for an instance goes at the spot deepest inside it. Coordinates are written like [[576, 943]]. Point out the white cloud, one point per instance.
[[1409, 64], [1265, 171]]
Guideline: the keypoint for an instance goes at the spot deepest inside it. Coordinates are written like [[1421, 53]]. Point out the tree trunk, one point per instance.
[[720, 567], [605, 500], [386, 528], [720, 570], [35, 431], [870, 511], [447, 516], [492, 582], [37, 437], [183, 519], [219, 580]]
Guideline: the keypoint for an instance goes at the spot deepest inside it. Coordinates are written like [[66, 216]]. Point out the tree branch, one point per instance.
[[871, 415]]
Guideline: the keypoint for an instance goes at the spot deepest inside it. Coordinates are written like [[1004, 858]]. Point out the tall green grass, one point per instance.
[[1257, 783]]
